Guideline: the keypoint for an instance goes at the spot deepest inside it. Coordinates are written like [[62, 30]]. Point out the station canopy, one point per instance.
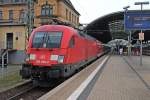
[[111, 26]]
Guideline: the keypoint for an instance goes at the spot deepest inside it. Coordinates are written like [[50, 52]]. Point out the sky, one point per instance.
[[93, 9]]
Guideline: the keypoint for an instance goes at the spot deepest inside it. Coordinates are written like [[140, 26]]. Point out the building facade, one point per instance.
[[55, 12], [18, 17]]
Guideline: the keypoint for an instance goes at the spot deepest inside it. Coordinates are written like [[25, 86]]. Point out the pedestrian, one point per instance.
[[121, 51]]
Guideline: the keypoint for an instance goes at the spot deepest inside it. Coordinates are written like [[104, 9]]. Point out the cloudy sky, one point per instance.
[[92, 9]]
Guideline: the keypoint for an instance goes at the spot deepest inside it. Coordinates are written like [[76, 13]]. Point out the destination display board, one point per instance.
[[137, 21]]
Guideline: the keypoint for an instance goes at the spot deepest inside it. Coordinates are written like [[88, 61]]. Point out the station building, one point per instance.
[[55, 11], [14, 23]]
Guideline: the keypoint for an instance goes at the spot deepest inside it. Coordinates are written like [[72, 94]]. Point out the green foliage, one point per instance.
[[7, 81]]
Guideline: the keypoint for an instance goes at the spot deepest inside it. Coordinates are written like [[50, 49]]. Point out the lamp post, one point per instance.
[[129, 37], [141, 3]]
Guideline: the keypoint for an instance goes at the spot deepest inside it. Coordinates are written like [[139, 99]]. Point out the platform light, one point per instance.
[[141, 3], [129, 37], [126, 7]]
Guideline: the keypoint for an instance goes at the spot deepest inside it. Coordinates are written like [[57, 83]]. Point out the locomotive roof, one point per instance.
[[55, 27]]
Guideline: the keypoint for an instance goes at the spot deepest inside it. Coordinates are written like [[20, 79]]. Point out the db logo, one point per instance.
[[42, 57]]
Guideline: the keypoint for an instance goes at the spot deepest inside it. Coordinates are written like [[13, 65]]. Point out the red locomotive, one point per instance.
[[56, 51]]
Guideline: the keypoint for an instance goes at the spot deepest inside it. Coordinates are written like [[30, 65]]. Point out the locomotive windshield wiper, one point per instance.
[[47, 45], [47, 41]]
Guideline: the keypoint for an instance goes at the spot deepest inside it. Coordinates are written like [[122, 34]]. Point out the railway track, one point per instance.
[[26, 91], [32, 93], [13, 91]]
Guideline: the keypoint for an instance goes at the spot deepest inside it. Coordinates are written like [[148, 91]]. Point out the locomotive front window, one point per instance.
[[38, 39], [54, 39], [47, 40]]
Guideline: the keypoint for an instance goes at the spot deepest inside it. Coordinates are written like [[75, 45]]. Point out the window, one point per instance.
[[70, 16], [75, 19], [1, 14], [47, 40], [6, 1], [72, 42], [38, 39], [54, 39], [17, 1], [22, 16], [66, 14], [1, 1], [10, 14], [12, 1], [47, 10]]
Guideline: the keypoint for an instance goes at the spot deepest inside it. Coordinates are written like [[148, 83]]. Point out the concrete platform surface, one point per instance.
[[64, 90], [123, 79], [144, 70]]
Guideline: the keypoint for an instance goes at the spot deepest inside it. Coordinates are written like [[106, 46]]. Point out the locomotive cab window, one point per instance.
[[38, 39], [47, 40], [72, 42], [54, 39]]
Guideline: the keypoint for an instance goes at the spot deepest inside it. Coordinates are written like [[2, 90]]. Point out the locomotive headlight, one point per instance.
[[32, 56], [54, 57], [57, 58], [60, 59]]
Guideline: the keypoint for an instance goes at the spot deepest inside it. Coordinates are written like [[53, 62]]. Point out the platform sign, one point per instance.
[[137, 21], [141, 36]]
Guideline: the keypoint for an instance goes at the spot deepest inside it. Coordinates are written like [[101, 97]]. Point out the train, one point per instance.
[[58, 51]]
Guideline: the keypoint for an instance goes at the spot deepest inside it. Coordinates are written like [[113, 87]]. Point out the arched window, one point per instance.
[[46, 10]]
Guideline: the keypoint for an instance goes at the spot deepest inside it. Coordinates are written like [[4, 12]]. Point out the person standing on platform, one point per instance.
[[121, 51]]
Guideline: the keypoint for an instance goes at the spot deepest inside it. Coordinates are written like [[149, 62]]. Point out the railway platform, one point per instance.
[[123, 79], [120, 78]]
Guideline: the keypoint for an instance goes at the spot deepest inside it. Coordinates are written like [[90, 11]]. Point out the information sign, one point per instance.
[[137, 21], [141, 36]]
